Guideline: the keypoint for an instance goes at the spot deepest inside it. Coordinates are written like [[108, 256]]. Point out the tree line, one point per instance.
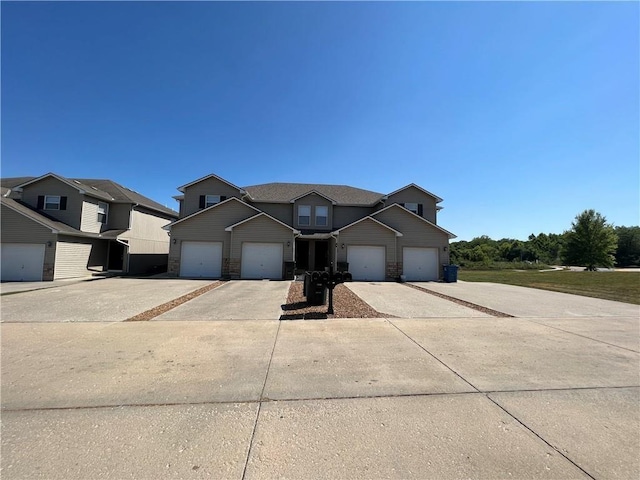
[[591, 242]]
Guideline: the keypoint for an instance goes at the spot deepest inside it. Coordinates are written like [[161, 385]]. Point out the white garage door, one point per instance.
[[366, 262], [261, 260], [420, 264], [72, 260], [22, 262], [201, 259]]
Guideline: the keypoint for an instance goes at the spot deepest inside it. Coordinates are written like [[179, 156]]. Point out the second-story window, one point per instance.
[[103, 211], [412, 207], [304, 215], [52, 202], [209, 200], [322, 216]]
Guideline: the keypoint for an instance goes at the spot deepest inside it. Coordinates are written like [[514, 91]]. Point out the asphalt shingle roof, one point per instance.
[[285, 192], [99, 188]]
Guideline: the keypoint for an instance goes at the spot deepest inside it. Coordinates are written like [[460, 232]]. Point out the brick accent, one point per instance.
[[234, 268], [47, 272], [173, 267], [392, 270]]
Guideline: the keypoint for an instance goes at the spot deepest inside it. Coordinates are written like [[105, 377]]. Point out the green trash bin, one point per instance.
[[450, 273]]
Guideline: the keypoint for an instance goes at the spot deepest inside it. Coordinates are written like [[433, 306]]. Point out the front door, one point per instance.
[[321, 255]]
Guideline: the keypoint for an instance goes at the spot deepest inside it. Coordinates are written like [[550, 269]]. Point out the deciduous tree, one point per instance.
[[591, 242]]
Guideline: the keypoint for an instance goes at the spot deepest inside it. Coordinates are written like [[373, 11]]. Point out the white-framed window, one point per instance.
[[304, 215], [103, 212], [322, 216], [52, 202], [211, 200], [412, 207]]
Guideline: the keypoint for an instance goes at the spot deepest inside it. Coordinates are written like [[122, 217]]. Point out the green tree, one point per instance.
[[628, 253], [591, 242]]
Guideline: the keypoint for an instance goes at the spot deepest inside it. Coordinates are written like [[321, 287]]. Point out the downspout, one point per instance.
[[335, 250]]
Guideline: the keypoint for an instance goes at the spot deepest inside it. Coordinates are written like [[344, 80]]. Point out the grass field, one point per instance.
[[618, 286]]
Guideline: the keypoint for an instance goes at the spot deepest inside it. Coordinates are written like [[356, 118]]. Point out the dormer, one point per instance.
[[313, 211], [417, 200], [204, 193]]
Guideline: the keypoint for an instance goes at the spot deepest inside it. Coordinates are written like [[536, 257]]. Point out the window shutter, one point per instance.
[[202, 201], [40, 205], [420, 209], [63, 203], [222, 198]]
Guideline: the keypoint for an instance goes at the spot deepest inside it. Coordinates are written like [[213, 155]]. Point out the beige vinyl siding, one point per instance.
[[17, 228], [415, 232], [370, 233], [210, 186], [79, 257], [413, 195], [209, 226], [343, 215], [262, 230], [89, 222], [119, 216], [281, 211], [50, 186], [146, 234], [313, 200]]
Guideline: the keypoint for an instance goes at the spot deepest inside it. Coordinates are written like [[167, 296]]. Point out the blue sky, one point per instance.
[[519, 115]]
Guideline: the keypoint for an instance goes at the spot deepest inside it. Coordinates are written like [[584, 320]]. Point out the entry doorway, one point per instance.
[[312, 254], [116, 256]]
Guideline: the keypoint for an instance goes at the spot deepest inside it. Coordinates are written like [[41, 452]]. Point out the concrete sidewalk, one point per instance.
[[350, 398]]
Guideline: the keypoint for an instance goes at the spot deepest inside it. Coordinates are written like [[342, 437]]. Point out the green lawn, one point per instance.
[[619, 286]]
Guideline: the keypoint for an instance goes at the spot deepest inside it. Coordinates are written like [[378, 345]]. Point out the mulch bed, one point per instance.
[[346, 304], [165, 307]]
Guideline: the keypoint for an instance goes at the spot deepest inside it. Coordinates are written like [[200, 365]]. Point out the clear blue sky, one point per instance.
[[519, 115]]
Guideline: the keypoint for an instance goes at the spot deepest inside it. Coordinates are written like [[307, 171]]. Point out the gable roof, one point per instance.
[[261, 214], [314, 192], [55, 225], [216, 205], [206, 177], [369, 217], [121, 194], [107, 190], [287, 192], [438, 199], [396, 205]]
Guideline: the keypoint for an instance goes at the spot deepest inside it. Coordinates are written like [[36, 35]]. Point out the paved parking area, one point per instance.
[[235, 300], [342, 398], [531, 302], [108, 300], [455, 393]]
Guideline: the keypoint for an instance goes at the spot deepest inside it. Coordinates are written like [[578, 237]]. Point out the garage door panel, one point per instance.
[[366, 263], [22, 262], [420, 264], [261, 260], [201, 259]]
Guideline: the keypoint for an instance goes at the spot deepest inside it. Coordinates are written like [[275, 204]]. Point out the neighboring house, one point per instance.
[[257, 232], [54, 227]]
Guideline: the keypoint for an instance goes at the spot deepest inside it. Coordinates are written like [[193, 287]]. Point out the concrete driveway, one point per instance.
[[455, 394], [532, 302], [405, 302], [235, 300], [108, 300], [344, 398]]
